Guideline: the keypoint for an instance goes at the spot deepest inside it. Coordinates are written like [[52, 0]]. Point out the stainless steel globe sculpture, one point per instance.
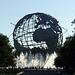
[[37, 30]]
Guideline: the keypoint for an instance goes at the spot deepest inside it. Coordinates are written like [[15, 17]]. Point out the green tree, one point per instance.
[[6, 52], [66, 55]]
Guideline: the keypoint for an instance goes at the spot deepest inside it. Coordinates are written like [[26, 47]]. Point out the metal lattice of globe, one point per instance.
[[37, 30]]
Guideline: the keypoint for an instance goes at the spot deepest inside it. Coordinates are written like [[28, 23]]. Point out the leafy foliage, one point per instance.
[[66, 55], [6, 54]]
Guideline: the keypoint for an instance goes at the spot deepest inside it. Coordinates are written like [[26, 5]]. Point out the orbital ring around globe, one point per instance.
[[37, 30]]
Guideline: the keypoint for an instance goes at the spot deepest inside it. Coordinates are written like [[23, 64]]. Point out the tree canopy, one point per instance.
[[6, 54], [66, 55]]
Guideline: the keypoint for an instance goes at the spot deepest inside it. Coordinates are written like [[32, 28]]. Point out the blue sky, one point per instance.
[[14, 10]]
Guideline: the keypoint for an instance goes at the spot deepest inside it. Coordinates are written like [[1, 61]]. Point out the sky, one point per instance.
[[14, 10]]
